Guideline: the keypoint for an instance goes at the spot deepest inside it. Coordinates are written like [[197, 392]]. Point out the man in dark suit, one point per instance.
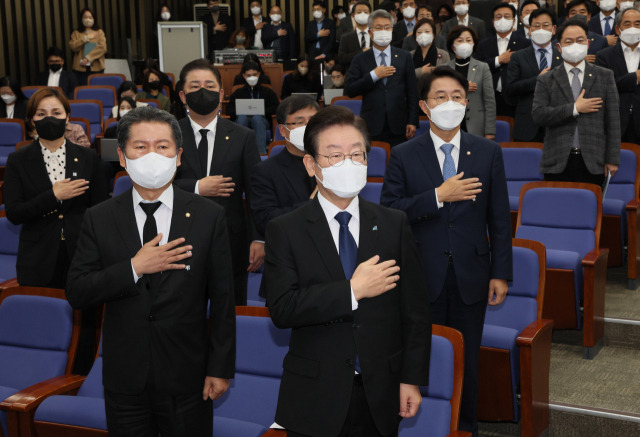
[[386, 80], [255, 23], [451, 214], [217, 161], [463, 18], [344, 274], [526, 8], [623, 60], [281, 184], [579, 9], [577, 103], [405, 26], [348, 24], [163, 359], [219, 26], [279, 35], [604, 22], [357, 41], [496, 52], [523, 70], [56, 75], [320, 35]]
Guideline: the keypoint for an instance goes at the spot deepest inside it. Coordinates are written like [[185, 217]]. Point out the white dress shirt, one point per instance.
[[464, 21], [603, 21], [257, 42], [330, 211], [378, 58], [455, 154], [211, 136], [503, 44], [162, 216], [367, 38], [54, 78], [631, 57], [55, 162], [568, 67], [10, 109]]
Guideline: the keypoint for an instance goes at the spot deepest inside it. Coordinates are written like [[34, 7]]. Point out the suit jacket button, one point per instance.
[[60, 216], [355, 326], [349, 362], [152, 318], [451, 225]]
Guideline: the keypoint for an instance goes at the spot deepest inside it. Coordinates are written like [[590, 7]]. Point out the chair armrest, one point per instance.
[[595, 278], [633, 205], [534, 333], [9, 283], [272, 432], [633, 243], [29, 398]]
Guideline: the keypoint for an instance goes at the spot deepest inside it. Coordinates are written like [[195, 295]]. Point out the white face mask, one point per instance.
[[382, 37], [317, 14], [607, 5], [541, 36], [87, 22], [630, 36], [503, 25], [275, 17], [152, 171], [424, 39], [625, 5], [574, 53], [463, 50], [409, 12], [346, 180], [362, 18], [515, 5], [303, 70], [8, 99], [342, 16], [165, 16], [256, 10], [296, 137], [543, 3], [124, 112], [461, 10], [252, 80], [525, 20], [447, 116]]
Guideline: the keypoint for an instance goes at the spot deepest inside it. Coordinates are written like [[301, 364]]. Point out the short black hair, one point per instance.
[[129, 100], [259, 1], [448, 8], [249, 66], [293, 104], [455, 33], [54, 51], [387, 5], [542, 11], [200, 64], [320, 3], [127, 85], [528, 2], [147, 114], [504, 5], [424, 84], [573, 3], [327, 118], [339, 68], [336, 9], [361, 2], [571, 22]]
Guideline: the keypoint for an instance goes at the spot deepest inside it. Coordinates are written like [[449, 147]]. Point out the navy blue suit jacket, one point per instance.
[[628, 89], [597, 42], [327, 43], [413, 174], [488, 50], [397, 100], [595, 26]]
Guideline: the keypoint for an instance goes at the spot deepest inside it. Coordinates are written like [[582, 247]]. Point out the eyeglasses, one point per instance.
[[443, 98], [382, 27], [297, 123], [337, 158]]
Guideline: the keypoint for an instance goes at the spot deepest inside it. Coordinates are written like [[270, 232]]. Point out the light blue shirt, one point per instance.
[[376, 55], [411, 23], [548, 52], [319, 24]]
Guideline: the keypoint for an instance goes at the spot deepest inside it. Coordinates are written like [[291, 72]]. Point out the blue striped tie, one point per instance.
[[383, 63], [449, 167], [543, 59]]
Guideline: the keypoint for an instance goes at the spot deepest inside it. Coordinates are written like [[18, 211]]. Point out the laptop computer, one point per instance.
[[330, 94], [250, 106], [109, 149]]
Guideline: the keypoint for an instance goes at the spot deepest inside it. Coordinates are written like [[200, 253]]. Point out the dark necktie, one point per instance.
[[347, 245], [607, 26], [576, 88], [203, 151], [149, 232], [383, 63], [543, 59], [363, 41]]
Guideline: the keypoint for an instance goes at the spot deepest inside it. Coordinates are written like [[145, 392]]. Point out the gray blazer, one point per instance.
[[599, 132], [481, 109]]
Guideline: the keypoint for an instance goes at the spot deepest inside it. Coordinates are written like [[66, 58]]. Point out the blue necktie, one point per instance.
[[347, 245], [449, 167], [576, 89], [383, 63], [543, 59], [607, 26]]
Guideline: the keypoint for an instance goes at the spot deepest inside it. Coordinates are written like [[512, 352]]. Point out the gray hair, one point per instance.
[[619, 16], [147, 114], [380, 13]]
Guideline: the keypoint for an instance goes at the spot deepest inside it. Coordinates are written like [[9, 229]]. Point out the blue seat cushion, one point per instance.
[[73, 410], [224, 426], [5, 392], [613, 207], [514, 203], [433, 419]]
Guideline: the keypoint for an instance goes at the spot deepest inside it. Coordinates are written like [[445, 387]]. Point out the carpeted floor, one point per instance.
[[620, 302]]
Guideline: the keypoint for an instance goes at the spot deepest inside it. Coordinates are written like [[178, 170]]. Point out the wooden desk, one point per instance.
[[229, 72]]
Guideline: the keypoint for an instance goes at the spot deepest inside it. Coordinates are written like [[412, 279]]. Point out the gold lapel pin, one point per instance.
[[468, 152], [188, 214], [75, 159], [226, 138], [590, 75], [395, 56]]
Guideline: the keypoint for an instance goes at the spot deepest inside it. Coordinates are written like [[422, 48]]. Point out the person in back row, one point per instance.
[[56, 75]]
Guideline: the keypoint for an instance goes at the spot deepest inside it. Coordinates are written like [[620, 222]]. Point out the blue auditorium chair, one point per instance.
[[9, 237], [354, 104], [248, 408], [105, 94], [109, 79], [423, 127], [371, 192], [121, 184], [253, 289], [516, 347], [38, 342], [566, 217], [276, 147], [376, 164], [11, 133], [92, 111], [503, 131]]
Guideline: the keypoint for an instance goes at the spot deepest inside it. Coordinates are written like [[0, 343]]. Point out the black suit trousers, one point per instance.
[[449, 310]]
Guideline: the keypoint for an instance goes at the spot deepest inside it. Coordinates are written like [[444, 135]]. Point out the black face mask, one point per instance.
[[444, 18], [203, 101], [155, 85], [214, 9], [51, 128], [55, 67]]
